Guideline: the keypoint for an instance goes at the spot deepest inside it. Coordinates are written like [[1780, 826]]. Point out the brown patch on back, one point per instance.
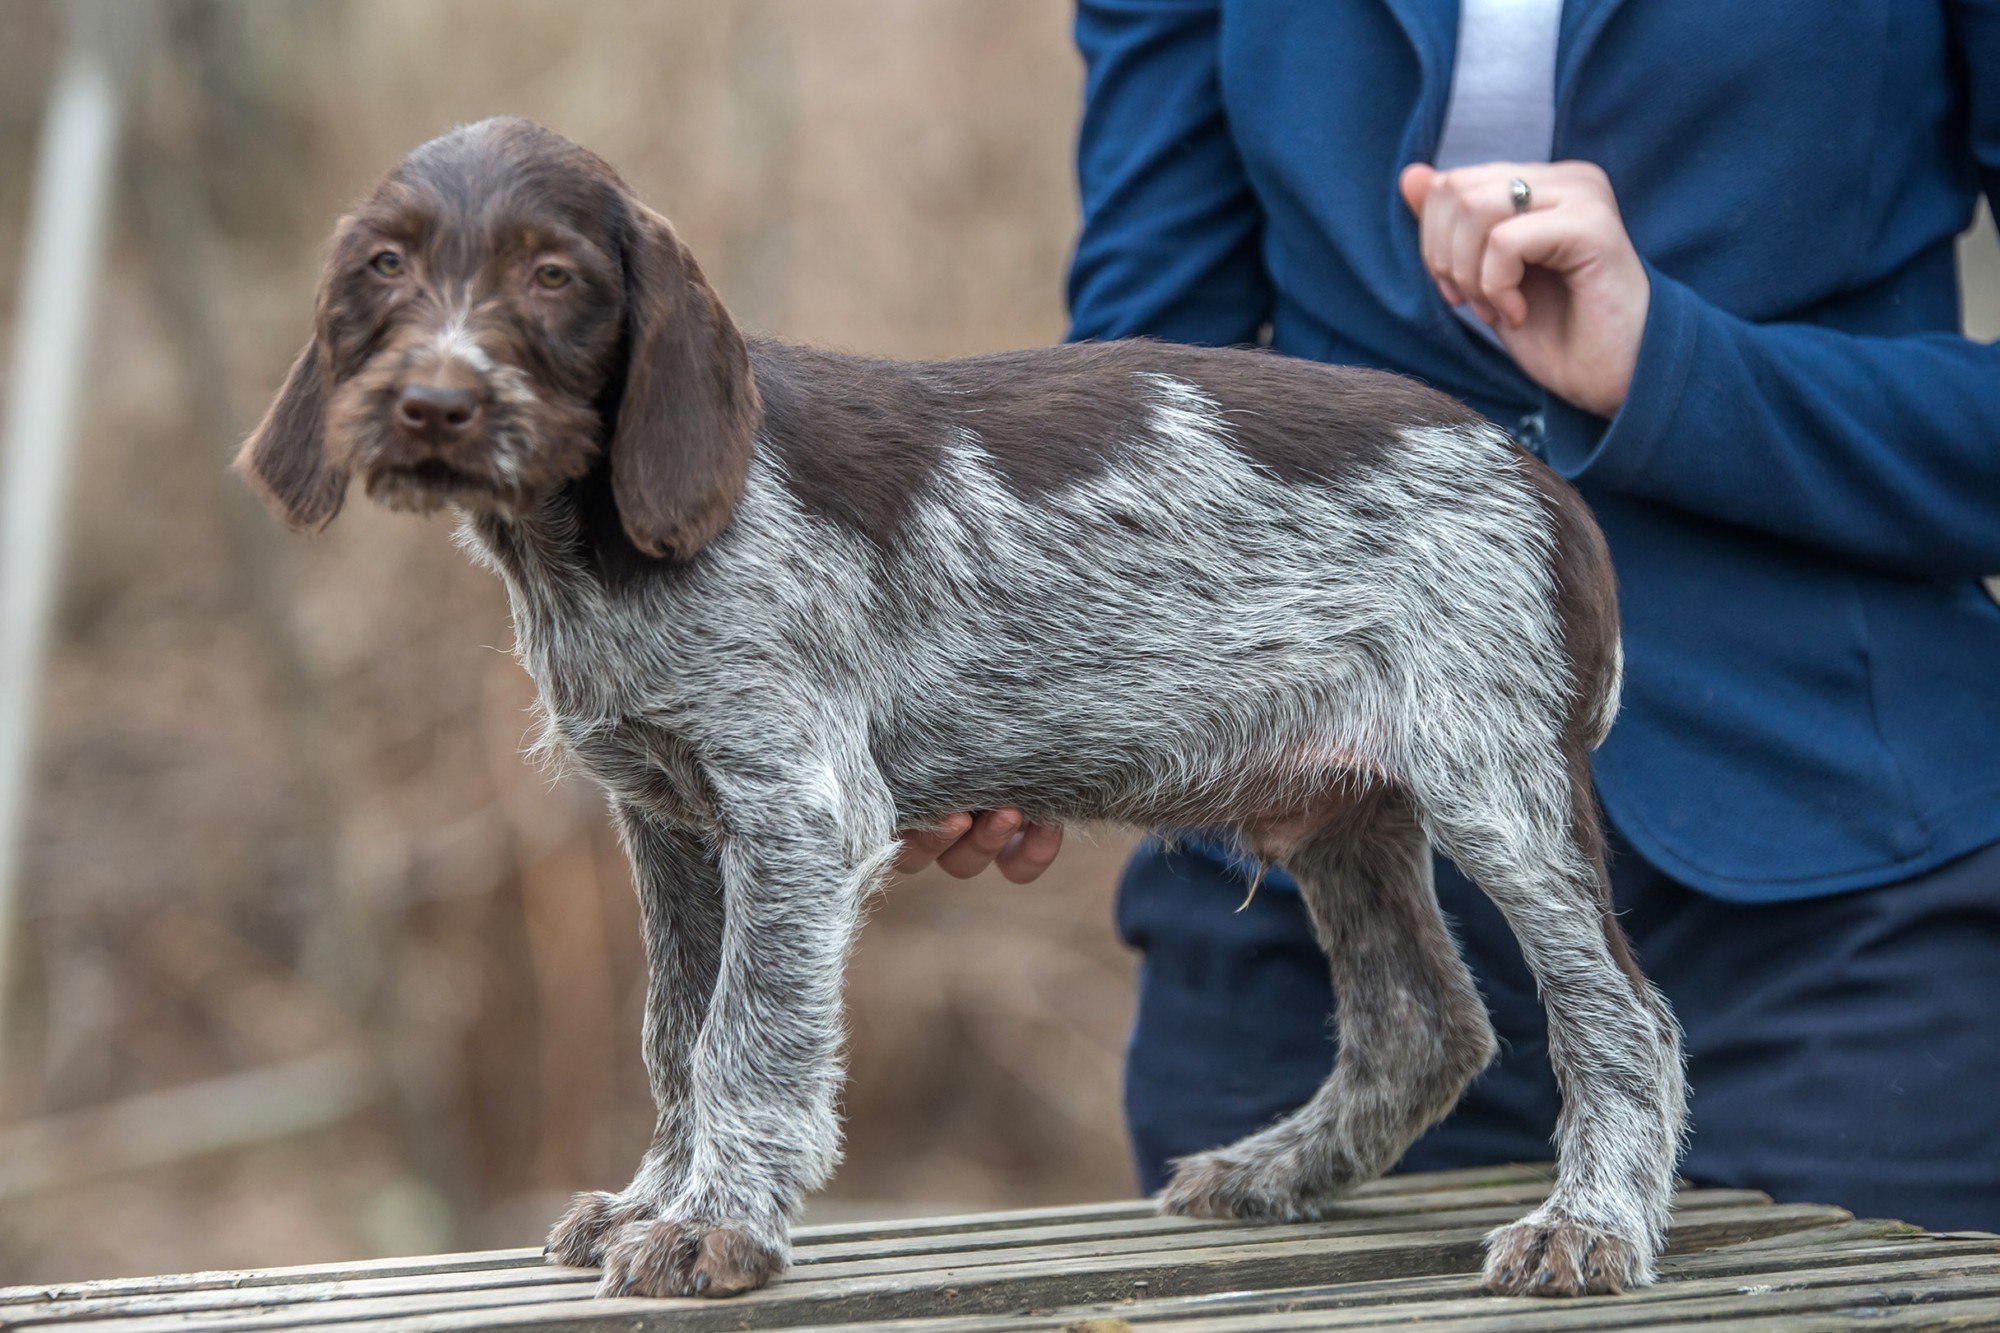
[[860, 438], [1306, 420], [1058, 415]]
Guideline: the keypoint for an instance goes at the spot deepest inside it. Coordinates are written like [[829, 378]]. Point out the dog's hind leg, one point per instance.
[[1413, 1031], [681, 912], [1526, 830]]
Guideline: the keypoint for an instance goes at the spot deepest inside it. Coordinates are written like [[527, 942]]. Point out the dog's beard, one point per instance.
[[424, 488], [505, 469]]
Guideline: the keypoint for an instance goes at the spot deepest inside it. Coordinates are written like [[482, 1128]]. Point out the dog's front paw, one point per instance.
[[1219, 1185], [1558, 1256], [577, 1240], [666, 1258]]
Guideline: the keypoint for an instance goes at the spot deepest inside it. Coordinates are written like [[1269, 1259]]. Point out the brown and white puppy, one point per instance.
[[784, 604]]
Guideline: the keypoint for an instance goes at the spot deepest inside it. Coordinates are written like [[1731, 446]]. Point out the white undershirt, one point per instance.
[[1503, 90]]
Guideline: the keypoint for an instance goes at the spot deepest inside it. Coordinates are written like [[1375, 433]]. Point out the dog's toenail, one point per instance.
[[700, 1283], [1543, 1278]]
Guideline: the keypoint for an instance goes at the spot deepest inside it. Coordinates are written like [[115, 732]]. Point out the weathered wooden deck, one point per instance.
[[1403, 1251]]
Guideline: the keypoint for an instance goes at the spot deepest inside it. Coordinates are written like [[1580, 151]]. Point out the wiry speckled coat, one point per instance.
[[1323, 608]]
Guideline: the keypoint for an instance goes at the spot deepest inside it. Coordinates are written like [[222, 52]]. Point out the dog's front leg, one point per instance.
[[681, 913], [766, 1069]]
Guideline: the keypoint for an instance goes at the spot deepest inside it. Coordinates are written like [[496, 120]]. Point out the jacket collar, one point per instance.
[[1583, 23], [1432, 29]]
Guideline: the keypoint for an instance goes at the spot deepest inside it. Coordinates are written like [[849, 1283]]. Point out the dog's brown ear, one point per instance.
[[284, 460], [689, 411]]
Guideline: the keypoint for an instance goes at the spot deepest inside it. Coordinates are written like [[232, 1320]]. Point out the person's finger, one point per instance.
[[1031, 851], [1481, 207], [1569, 179], [1538, 238], [976, 850], [922, 846], [1434, 228], [1413, 183]]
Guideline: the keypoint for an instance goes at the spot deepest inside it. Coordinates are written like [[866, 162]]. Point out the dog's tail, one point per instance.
[[1586, 606], [1604, 707]]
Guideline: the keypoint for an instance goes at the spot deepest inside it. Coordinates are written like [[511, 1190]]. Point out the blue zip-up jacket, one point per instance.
[[1802, 489]]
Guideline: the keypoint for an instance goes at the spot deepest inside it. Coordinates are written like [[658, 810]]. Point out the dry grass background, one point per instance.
[[281, 814], [280, 808]]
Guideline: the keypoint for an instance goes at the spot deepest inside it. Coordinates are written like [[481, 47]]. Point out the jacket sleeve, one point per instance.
[[1886, 450], [1170, 240], [1882, 449]]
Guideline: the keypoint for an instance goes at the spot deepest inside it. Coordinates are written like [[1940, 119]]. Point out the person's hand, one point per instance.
[[1560, 283], [963, 846]]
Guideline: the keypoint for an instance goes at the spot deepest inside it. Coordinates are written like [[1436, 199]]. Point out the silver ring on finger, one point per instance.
[[1517, 189]]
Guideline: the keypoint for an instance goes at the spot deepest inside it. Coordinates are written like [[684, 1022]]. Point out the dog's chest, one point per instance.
[[639, 764], [605, 717]]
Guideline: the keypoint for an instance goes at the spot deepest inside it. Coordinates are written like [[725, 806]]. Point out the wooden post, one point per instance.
[[61, 260]]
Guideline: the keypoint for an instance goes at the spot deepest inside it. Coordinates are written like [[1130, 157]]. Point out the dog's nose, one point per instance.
[[435, 411]]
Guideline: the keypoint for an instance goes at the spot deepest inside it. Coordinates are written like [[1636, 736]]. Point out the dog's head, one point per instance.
[[499, 313]]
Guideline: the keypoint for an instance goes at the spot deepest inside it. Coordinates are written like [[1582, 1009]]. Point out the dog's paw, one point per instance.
[[1556, 1256], [664, 1258], [1205, 1185], [577, 1240], [1215, 1184]]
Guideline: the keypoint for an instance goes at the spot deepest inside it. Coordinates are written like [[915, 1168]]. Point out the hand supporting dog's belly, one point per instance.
[[964, 845]]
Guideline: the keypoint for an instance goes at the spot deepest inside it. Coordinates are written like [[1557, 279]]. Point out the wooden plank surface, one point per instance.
[[1399, 1252]]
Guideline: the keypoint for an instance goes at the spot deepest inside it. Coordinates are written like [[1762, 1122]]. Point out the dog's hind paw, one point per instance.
[[1215, 1184], [663, 1258], [1556, 1256], [578, 1238], [1205, 1185]]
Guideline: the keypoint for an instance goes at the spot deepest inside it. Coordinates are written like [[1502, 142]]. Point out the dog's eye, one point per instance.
[[551, 276], [388, 263]]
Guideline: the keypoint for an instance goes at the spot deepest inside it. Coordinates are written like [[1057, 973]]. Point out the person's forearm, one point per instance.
[[1885, 450]]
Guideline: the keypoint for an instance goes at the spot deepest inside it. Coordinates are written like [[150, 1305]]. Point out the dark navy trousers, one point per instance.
[[1841, 1050]]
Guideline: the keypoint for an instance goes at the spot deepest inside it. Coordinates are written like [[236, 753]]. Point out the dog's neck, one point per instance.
[[570, 575], [601, 543], [569, 544], [571, 541]]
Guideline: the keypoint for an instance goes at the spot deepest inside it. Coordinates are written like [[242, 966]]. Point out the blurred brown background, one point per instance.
[[314, 964]]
